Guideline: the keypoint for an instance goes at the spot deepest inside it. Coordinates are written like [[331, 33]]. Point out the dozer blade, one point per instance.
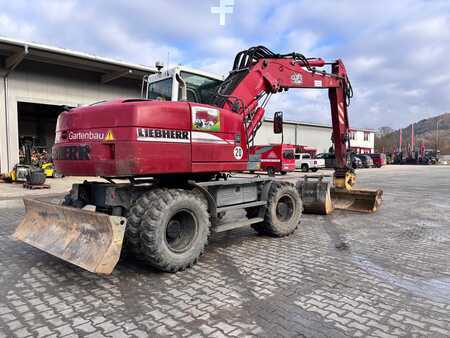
[[91, 240], [356, 200]]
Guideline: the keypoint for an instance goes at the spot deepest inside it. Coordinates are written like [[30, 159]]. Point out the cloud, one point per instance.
[[303, 41], [364, 64], [59, 11], [114, 37], [11, 28], [298, 104]]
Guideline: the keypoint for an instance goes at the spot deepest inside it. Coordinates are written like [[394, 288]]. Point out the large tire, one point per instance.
[[283, 211], [271, 171], [305, 168], [174, 232], [134, 217], [314, 170]]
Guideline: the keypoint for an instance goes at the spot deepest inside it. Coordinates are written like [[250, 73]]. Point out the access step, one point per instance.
[[235, 225], [241, 206]]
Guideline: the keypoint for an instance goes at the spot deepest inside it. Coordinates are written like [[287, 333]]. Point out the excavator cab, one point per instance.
[[181, 83]]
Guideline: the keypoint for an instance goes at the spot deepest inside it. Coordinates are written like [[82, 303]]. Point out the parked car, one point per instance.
[[379, 160], [356, 162], [366, 160], [330, 159], [306, 162]]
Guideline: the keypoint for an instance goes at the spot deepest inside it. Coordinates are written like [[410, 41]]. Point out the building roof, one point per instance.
[[16, 50], [318, 125]]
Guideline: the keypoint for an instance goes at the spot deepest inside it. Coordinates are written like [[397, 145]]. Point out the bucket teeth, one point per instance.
[[90, 240]]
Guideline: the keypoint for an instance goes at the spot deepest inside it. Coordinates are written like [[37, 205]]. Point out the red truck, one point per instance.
[[273, 158]]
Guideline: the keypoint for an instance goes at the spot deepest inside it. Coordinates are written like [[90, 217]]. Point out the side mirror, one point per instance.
[[278, 122]]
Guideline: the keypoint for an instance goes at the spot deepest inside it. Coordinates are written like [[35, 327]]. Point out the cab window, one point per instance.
[[200, 89], [288, 154], [306, 156], [160, 90]]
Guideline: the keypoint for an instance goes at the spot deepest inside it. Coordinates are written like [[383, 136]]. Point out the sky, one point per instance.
[[396, 52]]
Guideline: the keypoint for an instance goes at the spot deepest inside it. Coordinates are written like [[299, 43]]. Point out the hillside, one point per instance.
[[424, 130]]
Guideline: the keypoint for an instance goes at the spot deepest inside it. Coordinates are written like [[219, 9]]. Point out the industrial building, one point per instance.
[[39, 81], [315, 135]]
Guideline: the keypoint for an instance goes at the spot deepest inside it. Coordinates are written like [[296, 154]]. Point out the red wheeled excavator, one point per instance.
[[174, 160]]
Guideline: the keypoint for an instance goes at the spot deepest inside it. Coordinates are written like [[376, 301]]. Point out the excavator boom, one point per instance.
[[258, 73]]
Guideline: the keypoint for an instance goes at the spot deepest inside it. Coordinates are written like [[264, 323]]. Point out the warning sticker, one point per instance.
[[109, 136], [317, 83]]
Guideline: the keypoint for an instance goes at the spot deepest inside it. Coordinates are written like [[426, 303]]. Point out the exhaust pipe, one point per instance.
[[182, 86]]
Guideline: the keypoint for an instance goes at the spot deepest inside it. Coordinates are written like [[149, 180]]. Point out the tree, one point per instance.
[[384, 131]]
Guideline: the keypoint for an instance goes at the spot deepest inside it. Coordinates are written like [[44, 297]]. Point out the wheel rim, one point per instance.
[[285, 208], [181, 231]]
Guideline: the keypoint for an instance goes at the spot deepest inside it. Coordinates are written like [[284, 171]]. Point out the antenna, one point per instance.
[[168, 60]]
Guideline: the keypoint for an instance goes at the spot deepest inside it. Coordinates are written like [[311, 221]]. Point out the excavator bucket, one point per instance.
[[319, 197], [316, 195], [356, 200], [90, 240]]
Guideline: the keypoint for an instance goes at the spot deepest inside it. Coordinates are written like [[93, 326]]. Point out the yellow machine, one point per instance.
[[26, 173], [50, 170]]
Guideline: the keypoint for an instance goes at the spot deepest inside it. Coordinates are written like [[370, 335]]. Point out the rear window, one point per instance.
[[289, 154], [160, 90]]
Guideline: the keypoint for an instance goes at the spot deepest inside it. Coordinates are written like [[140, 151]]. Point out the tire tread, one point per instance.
[[151, 249]]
